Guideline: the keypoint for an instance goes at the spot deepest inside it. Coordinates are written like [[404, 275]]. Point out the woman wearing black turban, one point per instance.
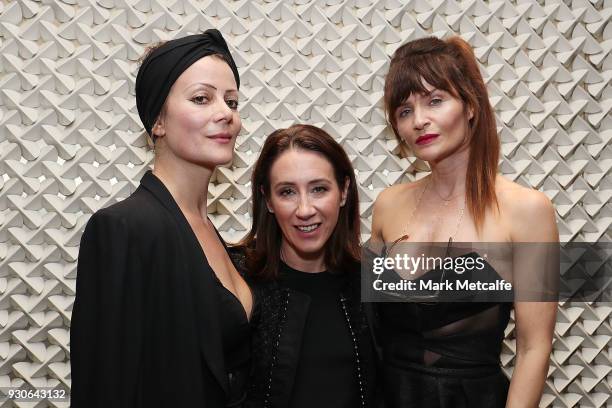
[[161, 314]]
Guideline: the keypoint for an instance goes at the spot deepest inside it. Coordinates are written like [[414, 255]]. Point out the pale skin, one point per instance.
[[304, 193], [196, 132], [524, 215]]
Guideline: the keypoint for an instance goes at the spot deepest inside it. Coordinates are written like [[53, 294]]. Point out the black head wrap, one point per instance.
[[165, 64]]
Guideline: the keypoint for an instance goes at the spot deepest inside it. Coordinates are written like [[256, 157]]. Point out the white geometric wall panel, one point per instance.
[[71, 141]]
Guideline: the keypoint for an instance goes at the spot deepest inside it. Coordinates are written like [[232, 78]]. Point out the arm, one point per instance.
[[535, 321], [376, 230], [386, 203], [105, 334]]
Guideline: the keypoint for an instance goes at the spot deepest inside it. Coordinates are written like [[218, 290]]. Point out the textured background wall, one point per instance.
[[71, 141]]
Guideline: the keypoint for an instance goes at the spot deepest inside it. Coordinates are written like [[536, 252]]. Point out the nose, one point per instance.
[[222, 111], [421, 120], [305, 208]]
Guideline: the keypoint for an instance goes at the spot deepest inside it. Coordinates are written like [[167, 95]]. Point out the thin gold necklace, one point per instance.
[[406, 234], [447, 200], [386, 251]]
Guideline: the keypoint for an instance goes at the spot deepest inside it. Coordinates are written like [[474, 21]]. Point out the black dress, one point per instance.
[[235, 332], [444, 354]]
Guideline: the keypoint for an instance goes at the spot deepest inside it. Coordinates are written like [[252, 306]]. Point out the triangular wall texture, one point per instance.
[[71, 141]]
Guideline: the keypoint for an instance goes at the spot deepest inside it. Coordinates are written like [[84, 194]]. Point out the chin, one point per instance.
[[426, 156], [434, 155], [222, 161], [308, 250], [210, 163], [218, 158]]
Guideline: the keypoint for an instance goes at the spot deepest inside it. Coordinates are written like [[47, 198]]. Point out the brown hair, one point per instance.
[[450, 65], [263, 242]]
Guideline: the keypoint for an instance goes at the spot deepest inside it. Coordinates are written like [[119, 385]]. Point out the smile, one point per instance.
[[308, 228]]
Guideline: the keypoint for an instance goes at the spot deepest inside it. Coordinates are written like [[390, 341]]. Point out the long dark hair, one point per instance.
[[450, 65], [263, 242]]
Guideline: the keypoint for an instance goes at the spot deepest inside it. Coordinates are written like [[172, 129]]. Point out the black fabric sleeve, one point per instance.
[[106, 333]]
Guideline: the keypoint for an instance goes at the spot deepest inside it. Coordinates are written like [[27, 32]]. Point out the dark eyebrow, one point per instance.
[[319, 181], [291, 184], [206, 85], [427, 93], [280, 183], [203, 84]]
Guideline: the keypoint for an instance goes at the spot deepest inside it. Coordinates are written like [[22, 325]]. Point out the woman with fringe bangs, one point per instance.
[[440, 354], [310, 331]]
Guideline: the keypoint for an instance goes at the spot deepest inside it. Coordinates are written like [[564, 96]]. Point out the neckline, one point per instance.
[[233, 295], [286, 268], [154, 184]]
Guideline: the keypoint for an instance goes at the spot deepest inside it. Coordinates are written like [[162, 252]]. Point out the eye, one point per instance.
[[232, 103], [200, 99], [285, 192], [435, 101], [403, 112], [319, 189]]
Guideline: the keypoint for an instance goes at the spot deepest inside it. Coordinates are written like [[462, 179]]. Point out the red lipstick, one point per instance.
[[426, 139]]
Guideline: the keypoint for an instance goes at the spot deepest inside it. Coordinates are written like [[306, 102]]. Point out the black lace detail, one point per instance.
[[267, 332], [358, 325], [360, 377]]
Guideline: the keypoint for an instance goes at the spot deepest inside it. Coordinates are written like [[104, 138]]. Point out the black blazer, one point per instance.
[[277, 331], [145, 326]]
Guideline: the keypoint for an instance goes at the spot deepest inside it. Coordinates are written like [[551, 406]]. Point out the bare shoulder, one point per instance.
[[522, 200], [388, 206], [531, 212], [399, 194]]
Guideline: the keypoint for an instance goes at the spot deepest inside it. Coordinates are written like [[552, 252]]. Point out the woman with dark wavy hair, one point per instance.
[[439, 354], [310, 331]]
